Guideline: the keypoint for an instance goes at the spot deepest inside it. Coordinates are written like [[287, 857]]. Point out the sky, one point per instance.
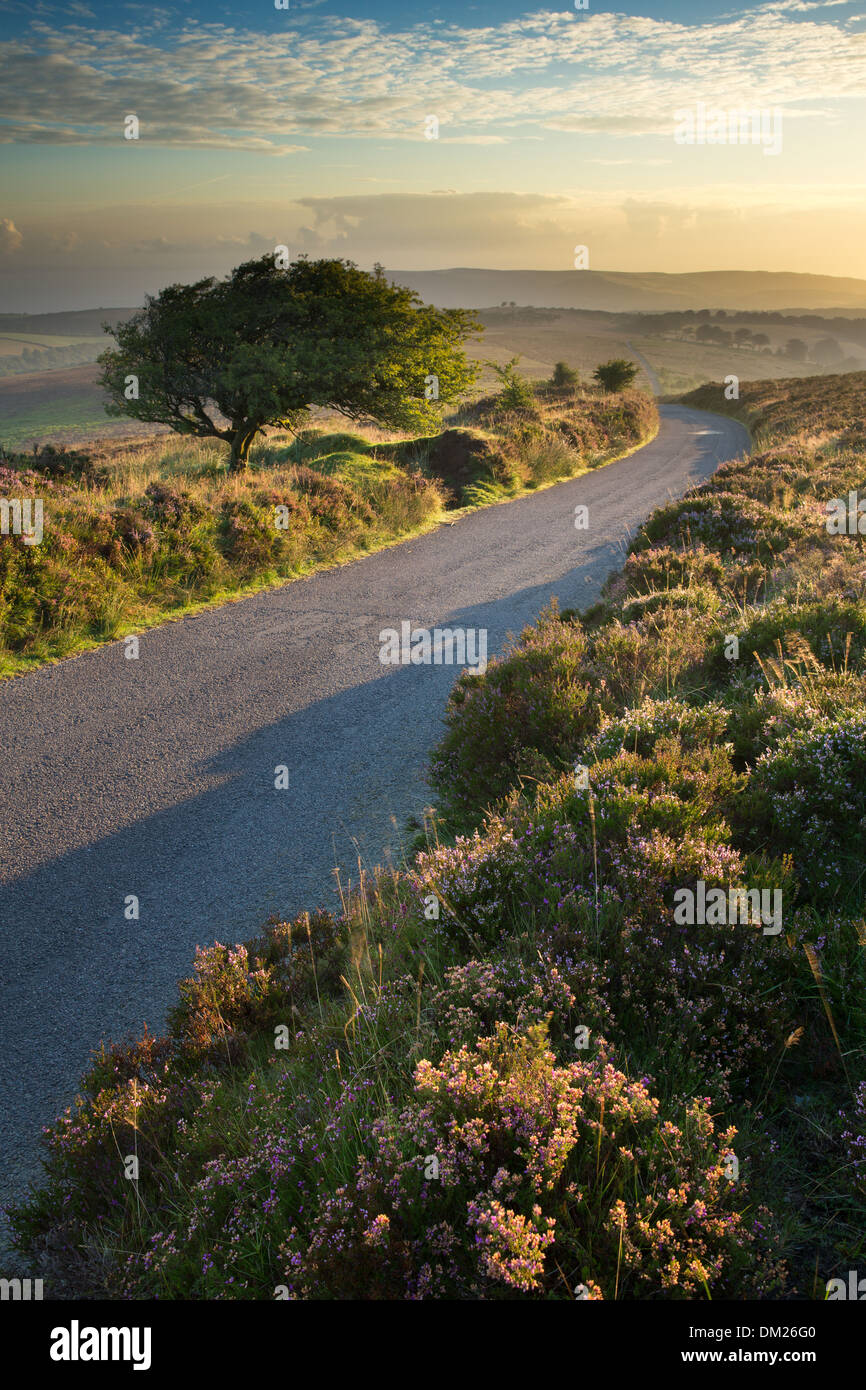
[[312, 127]]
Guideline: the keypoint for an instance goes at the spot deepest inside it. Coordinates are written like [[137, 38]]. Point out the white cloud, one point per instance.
[[594, 74]]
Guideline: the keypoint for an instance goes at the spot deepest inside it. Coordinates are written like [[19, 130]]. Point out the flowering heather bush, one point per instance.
[[49, 462], [548, 1177], [476, 997], [21, 479], [238, 991], [762, 718], [805, 637], [676, 790], [723, 997], [693, 600], [86, 1183], [660, 568], [473, 879], [721, 522], [525, 716], [23, 601], [638, 730], [656, 653], [807, 795], [172, 506]]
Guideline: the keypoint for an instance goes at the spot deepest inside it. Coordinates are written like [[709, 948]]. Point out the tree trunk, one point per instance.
[[240, 448]]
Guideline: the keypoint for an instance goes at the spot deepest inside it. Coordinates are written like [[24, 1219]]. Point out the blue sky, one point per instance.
[[308, 127]]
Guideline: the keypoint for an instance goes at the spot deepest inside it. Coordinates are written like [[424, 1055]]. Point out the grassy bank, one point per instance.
[[135, 534], [511, 1070]]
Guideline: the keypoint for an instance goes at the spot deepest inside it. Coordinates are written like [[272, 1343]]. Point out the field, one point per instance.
[[60, 407], [12, 345], [544, 337], [604, 1036]]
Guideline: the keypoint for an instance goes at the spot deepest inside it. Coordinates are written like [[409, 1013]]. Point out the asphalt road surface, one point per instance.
[[155, 777]]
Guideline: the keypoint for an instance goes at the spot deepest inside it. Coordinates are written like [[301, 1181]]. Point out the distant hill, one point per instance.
[[606, 291], [83, 323], [624, 291]]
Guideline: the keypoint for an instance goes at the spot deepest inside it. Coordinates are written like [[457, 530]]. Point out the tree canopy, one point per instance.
[[227, 358]]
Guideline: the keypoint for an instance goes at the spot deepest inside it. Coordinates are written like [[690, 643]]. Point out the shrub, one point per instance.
[[660, 568], [250, 536], [546, 1178], [172, 507], [563, 375], [807, 797], [548, 459], [528, 713], [660, 652], [58, 464], [516, 394], [803, 637], [759, 719], [481, 994], [855, 1139], [695, 600], [236, 992], [638, 730], [721, 522], [616, 375]]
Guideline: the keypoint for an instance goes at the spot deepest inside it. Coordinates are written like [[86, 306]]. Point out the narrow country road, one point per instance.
[[155, 777]]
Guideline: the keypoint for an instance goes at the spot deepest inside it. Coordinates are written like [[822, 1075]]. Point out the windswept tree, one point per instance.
[[225, 359], [616, 375]]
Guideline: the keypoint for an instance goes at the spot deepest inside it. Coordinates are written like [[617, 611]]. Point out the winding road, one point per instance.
[[155, 777]]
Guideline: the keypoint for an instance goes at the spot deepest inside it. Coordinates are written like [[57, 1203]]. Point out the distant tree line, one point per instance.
[[45, 359], [853, 328]]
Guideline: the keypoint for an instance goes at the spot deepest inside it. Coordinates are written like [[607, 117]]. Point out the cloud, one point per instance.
[[10, 237], [590, 74], [114, 255], [800, 6]]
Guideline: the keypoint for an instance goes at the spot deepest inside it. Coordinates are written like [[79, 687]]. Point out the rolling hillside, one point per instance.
[[621, 291]]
